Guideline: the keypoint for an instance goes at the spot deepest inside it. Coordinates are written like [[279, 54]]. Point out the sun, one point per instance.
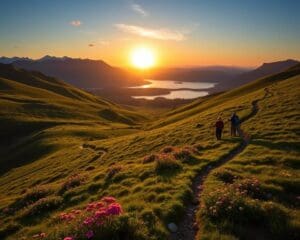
[[142, 58]]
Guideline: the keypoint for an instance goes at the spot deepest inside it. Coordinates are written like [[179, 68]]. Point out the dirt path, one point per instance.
[[188, 228]]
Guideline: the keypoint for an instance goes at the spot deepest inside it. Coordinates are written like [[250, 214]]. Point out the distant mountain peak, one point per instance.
[[283, 62], [53, 58]]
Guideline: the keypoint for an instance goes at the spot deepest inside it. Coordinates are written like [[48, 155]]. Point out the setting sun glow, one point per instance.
[[142, 58]]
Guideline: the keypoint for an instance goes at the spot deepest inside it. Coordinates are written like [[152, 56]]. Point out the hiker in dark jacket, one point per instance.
[[235, 124], [219, 128]]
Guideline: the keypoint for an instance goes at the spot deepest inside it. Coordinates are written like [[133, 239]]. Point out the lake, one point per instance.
[[189, 90]]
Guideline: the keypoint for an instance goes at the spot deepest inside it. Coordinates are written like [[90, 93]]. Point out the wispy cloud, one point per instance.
[[103, 42], [161, 33], [76, 23], [139, 9]]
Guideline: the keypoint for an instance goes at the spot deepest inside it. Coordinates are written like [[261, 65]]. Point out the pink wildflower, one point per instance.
[[42, 235], [69, 238], [100, 214], [109, 199], [114, 209], [99, 204], [76, 212], [88, 221], [89, 234]]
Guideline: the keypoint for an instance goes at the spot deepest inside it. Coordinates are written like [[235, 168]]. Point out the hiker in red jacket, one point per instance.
[[219, 128]]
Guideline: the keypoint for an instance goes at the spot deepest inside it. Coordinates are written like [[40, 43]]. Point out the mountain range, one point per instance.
[[97, 74], [83, 73]]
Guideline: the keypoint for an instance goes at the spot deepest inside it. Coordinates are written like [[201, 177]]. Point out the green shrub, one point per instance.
[[72, 182], [30, 197], [168, 149], [185, 155], [225, 176], [150, 158], [250, 187], [42, 206], [112, 171], [174, 212], [165, 164]]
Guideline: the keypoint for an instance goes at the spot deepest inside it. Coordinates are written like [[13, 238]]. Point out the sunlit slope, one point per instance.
[[267, 173], [31, 100], [112, 162], [218, 99]]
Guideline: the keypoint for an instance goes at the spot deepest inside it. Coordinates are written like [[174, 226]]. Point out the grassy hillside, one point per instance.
[[151, 172], [31, 102]]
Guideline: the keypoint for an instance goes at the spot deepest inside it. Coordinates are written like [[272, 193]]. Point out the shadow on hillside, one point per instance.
[[24, 154], [285, 146]]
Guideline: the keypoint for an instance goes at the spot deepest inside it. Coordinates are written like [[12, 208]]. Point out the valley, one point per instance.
[[149, 163]]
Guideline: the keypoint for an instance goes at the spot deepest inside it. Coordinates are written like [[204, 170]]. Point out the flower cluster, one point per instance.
[[250, 187], [232, 200], [73, 181], [223, 202], [89, 221], [166, 163], [225, 176]]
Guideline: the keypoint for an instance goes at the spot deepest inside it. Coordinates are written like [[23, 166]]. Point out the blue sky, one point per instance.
[[200, 32]]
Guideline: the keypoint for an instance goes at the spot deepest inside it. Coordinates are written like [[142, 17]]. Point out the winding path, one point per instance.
[[188, 228]]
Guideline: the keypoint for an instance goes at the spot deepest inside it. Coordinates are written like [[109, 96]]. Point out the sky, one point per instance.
[[179, 32]]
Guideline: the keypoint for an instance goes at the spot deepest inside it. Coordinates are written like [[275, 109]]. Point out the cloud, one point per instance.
[[138, 8], [103, 42], [91, 45], [76, 23], [161, 34]]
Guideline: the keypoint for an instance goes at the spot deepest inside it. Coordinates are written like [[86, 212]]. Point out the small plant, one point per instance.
[[250, 187], [168, 149], [112, 171], [166, 163], [226, 203], [225, 175], [185, 155], [30, 197], [73, 181], [41, 206], [104, 219], [150, 158]]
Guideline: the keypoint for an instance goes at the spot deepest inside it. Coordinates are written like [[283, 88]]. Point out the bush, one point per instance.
[[72, 182], [225, 175], [41, 206], [112, 171], [30, 197], [250, 187], [168, 149], [185, 155], [230, 205], [166, 163], [174, 212], [225, 203], [150, 158], [103, 219]]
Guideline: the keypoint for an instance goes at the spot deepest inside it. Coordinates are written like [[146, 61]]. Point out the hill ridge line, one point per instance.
[[187, 228]]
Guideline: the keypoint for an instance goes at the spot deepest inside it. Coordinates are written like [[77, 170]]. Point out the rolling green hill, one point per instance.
[[31, 102], [77, 149]]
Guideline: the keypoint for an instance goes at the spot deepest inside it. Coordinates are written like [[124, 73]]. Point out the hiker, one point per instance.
[[219, 128], [235, 124]]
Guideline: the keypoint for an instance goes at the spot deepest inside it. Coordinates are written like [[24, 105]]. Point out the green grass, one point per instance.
[[109, 149], [273, 158]]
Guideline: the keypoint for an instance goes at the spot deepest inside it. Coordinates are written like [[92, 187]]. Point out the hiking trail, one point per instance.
[[187, 228]]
